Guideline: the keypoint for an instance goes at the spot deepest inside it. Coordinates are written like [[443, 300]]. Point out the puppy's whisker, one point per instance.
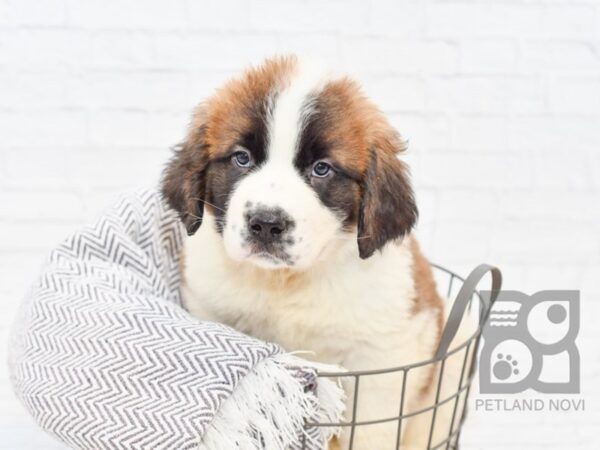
[[351, 238], [200, 219], [208, 203], [195, 222]]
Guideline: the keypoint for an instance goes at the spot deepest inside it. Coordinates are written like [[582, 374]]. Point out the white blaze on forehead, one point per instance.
[[291, 109], [276, 183]]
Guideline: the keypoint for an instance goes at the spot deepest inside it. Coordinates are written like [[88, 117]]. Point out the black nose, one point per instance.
[[267, 225]]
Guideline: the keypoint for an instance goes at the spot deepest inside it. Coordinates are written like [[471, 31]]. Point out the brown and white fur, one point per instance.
[[306, 214]]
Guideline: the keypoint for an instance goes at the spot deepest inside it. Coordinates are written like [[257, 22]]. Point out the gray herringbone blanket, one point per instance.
[[104, 356]]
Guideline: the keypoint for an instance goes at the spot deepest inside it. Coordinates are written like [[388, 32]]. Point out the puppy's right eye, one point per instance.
[[242, 158]]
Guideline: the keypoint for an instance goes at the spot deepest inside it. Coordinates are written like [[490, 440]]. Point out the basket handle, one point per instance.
[[462, 301]]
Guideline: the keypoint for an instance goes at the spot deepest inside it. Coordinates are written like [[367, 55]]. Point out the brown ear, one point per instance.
[[388, 210], [184, 178]]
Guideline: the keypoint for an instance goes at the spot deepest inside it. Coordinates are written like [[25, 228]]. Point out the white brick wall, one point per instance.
[[500, 100]]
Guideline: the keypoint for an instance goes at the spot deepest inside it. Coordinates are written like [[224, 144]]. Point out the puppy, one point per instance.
[[306, 215]]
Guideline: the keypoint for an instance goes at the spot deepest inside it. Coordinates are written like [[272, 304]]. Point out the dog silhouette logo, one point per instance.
[[529, 343]]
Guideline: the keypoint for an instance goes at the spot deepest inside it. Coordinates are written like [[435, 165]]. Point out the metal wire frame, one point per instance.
[[470, 347]]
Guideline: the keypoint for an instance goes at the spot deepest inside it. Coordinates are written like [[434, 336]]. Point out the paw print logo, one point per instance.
[[510, 363], [505, 367], [529, 343]]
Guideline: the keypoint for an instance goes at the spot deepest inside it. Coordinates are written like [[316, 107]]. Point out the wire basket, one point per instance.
[[439, 423]]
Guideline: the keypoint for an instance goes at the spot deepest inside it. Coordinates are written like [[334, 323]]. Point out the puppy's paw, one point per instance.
[[334, 444]]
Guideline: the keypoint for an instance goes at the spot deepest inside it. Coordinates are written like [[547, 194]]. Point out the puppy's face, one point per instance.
[[291, 163]]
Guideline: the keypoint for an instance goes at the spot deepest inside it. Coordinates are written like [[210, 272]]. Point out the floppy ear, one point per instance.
[[184, 179], [388, 210]]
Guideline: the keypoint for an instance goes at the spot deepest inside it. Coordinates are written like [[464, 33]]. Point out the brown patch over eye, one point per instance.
[[369, 187], [241, 103], [235, 115], [346, 117]]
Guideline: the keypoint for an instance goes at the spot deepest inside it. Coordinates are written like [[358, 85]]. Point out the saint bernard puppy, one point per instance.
[[299, 216]]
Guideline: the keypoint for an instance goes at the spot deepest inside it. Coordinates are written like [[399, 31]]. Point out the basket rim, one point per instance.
[[406, 367]]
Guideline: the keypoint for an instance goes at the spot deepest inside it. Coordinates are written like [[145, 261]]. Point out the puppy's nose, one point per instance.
[[267, 225]]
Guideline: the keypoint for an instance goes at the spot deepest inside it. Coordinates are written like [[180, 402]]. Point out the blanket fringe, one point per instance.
[[269, 407]]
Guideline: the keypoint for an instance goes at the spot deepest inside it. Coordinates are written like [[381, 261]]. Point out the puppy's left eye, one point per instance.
[[321, 169]]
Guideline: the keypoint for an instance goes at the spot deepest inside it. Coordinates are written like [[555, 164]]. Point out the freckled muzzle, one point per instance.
[[268, 231], [275, 219], [268, 225]]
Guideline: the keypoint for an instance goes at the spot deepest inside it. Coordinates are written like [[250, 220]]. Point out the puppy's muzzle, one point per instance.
[[268, 226]]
